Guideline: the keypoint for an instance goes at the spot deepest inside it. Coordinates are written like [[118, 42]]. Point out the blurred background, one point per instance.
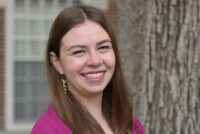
[[159, 43]]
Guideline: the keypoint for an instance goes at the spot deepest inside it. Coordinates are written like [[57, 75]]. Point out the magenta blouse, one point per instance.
[[50, 123]]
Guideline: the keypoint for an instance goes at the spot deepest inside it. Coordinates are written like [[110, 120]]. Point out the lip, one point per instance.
[[94, 72], [94, 79]]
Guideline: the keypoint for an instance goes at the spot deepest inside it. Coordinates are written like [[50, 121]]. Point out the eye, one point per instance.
[[104, 47], [78, 52]]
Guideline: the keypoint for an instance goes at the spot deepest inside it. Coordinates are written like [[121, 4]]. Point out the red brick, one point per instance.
[[1, 69]]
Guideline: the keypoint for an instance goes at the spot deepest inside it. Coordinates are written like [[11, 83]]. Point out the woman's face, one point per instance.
[[86, 58]]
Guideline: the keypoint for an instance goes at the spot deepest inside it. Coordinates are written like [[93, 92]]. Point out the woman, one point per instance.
[[85, 78]]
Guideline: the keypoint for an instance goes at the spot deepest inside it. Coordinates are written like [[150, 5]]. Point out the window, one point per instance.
[[28, 24]]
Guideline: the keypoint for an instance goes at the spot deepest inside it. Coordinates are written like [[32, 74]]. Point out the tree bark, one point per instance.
[[160, 48]]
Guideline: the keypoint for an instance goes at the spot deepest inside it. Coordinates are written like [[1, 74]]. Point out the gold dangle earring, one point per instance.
[[64, 82]]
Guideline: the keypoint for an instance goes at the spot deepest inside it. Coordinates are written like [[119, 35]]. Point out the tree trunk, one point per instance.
[[160, 40]]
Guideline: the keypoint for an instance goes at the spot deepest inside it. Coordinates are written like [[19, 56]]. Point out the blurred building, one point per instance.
[[24, 29]]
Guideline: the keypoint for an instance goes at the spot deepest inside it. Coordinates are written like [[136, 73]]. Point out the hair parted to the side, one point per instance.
[[117, 107]]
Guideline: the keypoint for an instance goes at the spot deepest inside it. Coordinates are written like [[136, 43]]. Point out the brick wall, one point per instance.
[[1, 68], [111, 14]]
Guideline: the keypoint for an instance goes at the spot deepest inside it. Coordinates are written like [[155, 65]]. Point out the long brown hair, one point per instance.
[[117, 107]]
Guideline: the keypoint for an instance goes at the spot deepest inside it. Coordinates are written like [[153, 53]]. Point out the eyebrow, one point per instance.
[[83, 46], [103, 41]]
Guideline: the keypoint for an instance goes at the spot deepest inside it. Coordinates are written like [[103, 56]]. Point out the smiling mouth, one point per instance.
[[94, 76]]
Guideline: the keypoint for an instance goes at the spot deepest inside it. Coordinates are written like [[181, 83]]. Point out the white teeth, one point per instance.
[[96, 75]]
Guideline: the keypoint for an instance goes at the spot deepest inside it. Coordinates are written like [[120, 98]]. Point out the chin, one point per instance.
[[95, 90]]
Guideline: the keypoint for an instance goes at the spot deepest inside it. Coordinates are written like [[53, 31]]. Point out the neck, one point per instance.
[[93, 104]]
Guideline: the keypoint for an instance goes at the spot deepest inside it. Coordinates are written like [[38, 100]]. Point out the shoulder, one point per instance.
[[137, 126], [50, 123]]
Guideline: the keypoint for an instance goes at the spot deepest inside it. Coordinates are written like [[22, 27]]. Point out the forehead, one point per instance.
[[87, 33]]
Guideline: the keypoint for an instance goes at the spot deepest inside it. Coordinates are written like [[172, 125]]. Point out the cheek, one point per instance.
[[72, 65], [110, 60]]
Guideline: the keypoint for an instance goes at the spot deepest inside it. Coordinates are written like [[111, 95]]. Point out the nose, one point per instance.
[[94, 59]]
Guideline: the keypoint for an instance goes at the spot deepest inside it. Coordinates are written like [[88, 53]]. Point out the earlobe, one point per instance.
[[56, 62]]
